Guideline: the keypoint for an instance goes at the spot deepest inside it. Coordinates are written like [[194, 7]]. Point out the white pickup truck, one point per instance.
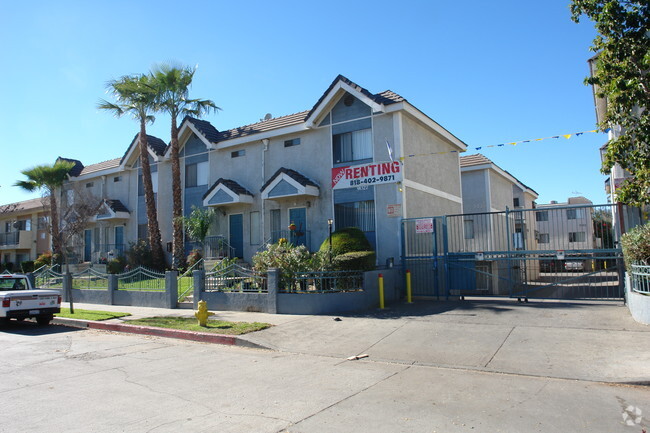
[[20, 300]]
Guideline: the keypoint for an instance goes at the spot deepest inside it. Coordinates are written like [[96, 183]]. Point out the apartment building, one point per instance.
[[286, 177], [24, 231]]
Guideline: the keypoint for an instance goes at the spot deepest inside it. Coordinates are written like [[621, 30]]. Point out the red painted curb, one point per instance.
[[169, 333]]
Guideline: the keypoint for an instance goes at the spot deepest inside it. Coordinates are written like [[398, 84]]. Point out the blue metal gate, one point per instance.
[[552, 252]]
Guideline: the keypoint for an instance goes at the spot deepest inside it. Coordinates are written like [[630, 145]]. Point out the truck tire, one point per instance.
[[43, 320]]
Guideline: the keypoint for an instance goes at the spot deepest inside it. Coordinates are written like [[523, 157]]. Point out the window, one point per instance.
[[294, 142], [353, 146], [196, 174], [577, 237], [255, 228], [154, 184], [143, 232], [90, 184], [42, 222], [541, 216], [574, 214], [24, 225], [544, 238], [359, 214], [238, 153], [117, 179], [468, 228], [515, 202]]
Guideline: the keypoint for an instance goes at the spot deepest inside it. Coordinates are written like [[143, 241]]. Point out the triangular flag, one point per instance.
[[567, 136]]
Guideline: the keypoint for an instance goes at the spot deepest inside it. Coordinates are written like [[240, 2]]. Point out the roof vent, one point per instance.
[[553, 201]]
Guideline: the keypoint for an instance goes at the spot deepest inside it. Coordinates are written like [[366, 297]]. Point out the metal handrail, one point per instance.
[[640, 279]]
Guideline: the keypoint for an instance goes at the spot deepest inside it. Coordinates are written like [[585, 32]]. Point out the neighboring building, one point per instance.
[[298, 171], [494, 220], [623, 218], [566, 229], [24, 231], [488, 188]]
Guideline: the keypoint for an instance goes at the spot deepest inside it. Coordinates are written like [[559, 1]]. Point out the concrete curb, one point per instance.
[[202, 337]]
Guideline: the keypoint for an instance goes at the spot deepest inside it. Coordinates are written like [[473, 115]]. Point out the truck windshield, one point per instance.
[[12, 284]]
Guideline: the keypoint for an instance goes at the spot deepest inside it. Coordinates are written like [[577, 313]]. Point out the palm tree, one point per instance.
[[48, 178], [172, 83], [136, 95]]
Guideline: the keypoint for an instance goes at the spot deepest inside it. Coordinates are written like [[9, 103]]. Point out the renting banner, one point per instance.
[[375, 173]]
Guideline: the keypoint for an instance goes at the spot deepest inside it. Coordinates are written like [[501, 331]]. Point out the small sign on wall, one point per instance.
[[560, 254], [394, 210], [480, 257], [424, 225]]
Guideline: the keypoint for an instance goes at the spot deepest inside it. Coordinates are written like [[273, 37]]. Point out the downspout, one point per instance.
[[265, 143]]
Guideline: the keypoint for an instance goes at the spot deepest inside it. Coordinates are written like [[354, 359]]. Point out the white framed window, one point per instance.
[[196, 174], [353, 146], [544, 238]]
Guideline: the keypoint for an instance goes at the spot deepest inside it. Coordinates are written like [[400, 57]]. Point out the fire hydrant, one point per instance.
[[203, 314]]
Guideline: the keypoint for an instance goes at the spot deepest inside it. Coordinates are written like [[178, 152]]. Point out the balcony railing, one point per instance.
[[11, 238], [214, 247]]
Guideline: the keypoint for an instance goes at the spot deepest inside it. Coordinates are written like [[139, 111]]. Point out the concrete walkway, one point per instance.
[[588, 341]]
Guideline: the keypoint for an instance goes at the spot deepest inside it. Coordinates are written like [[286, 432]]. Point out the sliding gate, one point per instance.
[[554, 252]]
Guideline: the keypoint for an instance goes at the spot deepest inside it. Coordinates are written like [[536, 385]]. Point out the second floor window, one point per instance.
[[196, 174], [353, 146]]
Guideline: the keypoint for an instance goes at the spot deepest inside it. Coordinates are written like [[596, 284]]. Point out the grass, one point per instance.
[[190, 324], [90, 314]]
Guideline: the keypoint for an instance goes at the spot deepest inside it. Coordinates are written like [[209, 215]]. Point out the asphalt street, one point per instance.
[[493, 366]]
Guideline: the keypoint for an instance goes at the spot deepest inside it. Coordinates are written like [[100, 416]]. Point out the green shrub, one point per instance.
[[116, 265], [27, 266], [355, 261], [44, 259], [287, 258], [139, 254], [346, 240], [636, 245]]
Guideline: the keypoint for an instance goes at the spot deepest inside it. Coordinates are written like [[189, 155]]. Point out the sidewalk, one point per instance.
[[589, 341]]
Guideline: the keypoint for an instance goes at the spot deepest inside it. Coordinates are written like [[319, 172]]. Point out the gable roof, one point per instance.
[[78, 166], [293, 174], [230, 184], [478, 160], [384, 98], [204, 127], [155, 145]]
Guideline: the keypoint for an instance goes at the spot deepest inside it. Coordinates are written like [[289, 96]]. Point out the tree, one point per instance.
[[172, 87], [136, 95], [621, 77], [47, 178], [198, 223]]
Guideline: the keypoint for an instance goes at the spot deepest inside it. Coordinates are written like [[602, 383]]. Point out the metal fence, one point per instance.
[[640, 278], [552, 251], [90, 279], [47, 277], [235, 278], [214, 247], [321, 282], [186, 281], [142, 279]]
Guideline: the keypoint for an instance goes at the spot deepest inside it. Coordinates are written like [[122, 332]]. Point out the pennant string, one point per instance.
[[513, 143]]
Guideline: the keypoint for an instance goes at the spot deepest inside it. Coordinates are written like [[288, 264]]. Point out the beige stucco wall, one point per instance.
[[440, 172]]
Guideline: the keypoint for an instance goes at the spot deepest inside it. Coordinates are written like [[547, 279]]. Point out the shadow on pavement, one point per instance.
[[30, 328], [472, 307]]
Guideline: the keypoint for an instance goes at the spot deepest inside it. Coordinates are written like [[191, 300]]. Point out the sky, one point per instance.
[[489, 72]]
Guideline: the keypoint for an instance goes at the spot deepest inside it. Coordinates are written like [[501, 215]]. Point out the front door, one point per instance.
[[119, 240], [88, 239], [298, 219], [236, 224]]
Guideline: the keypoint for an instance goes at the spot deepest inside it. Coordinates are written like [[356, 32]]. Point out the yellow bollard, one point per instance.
[[409, 290], [381, 292]]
